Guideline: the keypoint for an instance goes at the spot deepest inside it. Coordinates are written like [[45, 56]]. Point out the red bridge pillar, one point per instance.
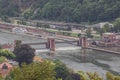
[[51, 44], [84, 42]]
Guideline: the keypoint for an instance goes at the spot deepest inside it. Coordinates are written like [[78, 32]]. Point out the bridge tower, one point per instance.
[[51, 44], [82, 42]]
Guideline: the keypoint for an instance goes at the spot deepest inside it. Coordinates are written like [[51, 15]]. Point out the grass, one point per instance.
[[96, 37]]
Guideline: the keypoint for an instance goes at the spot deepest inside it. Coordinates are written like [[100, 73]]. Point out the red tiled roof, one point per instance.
[[7, 64], [37, 58], [4, 72]]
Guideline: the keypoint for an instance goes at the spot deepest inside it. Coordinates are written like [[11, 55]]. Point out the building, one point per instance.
[[5, 68], [109, 40], [37, 59], [109, 37], [102, 24]]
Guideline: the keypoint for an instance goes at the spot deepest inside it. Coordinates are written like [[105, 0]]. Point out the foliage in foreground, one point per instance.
[[7, 53], [95, 76], [24, 53], [56, 70], [33, 71], [2, 59]]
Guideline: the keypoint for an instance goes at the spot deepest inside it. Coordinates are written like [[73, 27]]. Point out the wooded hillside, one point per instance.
[[62, 10]]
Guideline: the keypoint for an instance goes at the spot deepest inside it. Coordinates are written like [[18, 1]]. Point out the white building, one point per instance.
[[102, 24]]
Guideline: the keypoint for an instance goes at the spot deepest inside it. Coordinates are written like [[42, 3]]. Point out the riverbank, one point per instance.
[[104, 50]]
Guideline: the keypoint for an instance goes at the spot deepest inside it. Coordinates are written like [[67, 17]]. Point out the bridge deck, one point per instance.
[[40, 43]]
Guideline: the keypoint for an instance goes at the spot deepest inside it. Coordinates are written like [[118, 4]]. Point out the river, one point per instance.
[[76, 59]]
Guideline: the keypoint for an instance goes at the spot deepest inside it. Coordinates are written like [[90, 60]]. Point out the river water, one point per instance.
[[72, 56]]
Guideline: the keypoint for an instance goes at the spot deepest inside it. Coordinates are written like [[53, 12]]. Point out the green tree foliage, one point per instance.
[[117, 25], [94, 76], [78, 10], [2, 59], [63, 10], [0, 46], [56, 70], [61, 70], [107, 28], [73, 76], [34, 71], [24, 53], [1, 78], [7, 53], [83, 75], [28, 14], [89, 33], [100, 31], [110, 76], [5, 19], [8, 8], [22, 22]]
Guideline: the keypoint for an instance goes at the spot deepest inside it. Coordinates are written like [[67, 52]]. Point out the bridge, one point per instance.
[[50, 44]]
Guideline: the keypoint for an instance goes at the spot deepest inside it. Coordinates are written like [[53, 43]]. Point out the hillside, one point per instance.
[[62, 10]]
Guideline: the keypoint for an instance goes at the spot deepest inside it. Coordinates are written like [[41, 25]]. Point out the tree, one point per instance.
[[6, 19], [101, 31], [107, 28], [28, 14], [110, 76], [7, 53], [24, 53], [61, 70], [23, 22], [34, 71], [63, 10], [8, 8], [79, 35], [2, 59], [74, 76], [0, 46], [89, 33], [1, 78], [117, 25]]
